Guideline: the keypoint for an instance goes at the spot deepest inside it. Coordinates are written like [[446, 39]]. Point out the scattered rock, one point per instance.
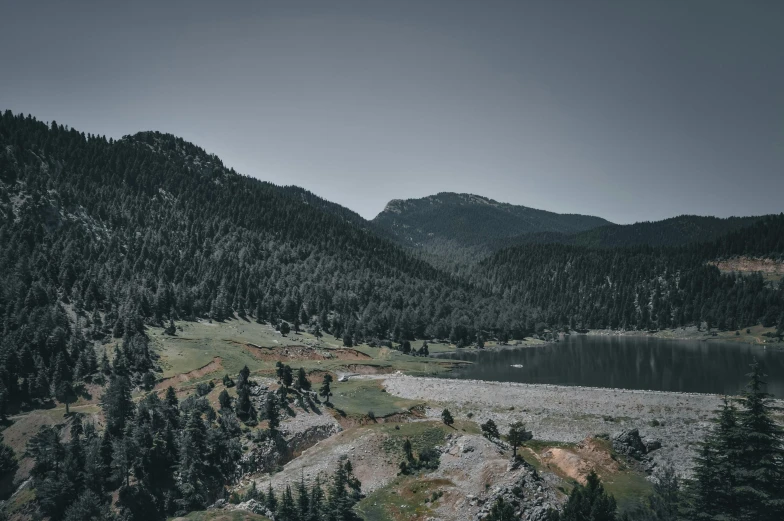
[[526, 494], [252, 506]]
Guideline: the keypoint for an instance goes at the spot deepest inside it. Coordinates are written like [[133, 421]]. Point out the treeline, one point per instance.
[[683, 230], [309, 503], [164, 457], [764, 238], [641, 287], [160, 456]]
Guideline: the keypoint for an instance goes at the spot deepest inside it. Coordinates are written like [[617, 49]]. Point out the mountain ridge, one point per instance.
[[461, 225]]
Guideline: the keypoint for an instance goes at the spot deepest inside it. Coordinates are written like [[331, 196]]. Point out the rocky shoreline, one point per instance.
[[570, 414]]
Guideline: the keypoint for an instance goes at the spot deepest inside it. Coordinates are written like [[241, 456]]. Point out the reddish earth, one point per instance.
[[750, 265], [287, 353], [212, 367], [576, 463]]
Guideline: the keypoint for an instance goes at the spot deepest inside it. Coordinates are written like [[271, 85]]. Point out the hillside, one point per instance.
[[151, 228], [644, 287], [676, 231], [446, 223], [136, 264]]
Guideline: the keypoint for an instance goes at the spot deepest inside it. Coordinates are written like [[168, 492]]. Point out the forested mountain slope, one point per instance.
[[642, 287], [100, 237], [447, 222], [150, 227], [453, 231], [676, 231]]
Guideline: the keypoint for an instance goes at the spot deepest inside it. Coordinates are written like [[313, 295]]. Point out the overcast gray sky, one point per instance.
[[629, 110]]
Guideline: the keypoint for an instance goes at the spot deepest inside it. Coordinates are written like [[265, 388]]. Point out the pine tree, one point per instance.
[[666, 501], [225, 400], [288, 377], [325, 389], [316, 502], [117, 404], [302, 383], [192, 466], [87, 507], [589, 502], [502, 511], [760, 477], [245, 410], [272, 412], [8, 461], [303, 501], [242, 378], [65, 394], [271, 501], [446, 417], [287, 510], [518, 436], [490, 430]]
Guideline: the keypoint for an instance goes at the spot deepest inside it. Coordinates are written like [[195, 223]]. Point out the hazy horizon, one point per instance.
[[630, 111]]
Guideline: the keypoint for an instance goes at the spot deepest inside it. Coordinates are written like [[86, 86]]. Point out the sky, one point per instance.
[[630, 110]]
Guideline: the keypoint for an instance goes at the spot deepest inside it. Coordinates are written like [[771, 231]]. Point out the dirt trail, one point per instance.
[[215, 365], [299, 352]]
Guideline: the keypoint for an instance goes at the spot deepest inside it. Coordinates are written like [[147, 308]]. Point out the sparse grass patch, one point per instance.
[[20, 501], [357, 397], [423, 435], [629, 487], [406, 498], [220, 515]]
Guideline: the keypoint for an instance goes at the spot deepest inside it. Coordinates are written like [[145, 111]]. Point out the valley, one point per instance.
[[178, 340]]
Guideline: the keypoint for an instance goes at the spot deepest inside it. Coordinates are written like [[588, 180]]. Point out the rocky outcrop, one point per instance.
[[629, 443], [531, 497], [296, 435], [252, 506]]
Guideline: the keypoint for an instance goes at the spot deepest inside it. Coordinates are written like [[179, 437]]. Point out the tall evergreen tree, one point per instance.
[[589, 502], [760, 473], [117, 404]]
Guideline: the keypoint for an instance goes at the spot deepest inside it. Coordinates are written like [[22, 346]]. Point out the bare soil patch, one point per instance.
[[204, 370], [578, 461], [750, 265], [299, 352]]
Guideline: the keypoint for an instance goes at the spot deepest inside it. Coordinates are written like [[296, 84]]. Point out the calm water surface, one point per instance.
[[629, 363]]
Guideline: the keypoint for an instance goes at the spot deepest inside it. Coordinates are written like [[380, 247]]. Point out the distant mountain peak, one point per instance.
[[465, 220]]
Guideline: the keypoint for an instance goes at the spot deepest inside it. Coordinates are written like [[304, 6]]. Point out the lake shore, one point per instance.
[[754, 335], [569, 414]]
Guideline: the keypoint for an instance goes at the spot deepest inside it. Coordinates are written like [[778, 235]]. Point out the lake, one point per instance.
[[628, 363]]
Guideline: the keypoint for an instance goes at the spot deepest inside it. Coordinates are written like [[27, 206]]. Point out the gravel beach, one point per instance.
[[570, 414]]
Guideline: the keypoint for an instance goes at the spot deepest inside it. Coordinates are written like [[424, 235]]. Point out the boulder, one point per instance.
[[651, 444], [629, 443]]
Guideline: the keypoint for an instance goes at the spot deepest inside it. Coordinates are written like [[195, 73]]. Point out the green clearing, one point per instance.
[[18, 504], [629, 487], [358, 397], [240, 342], [423, 435]]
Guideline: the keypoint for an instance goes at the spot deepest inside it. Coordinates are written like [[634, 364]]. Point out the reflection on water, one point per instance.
[[630, 363]]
